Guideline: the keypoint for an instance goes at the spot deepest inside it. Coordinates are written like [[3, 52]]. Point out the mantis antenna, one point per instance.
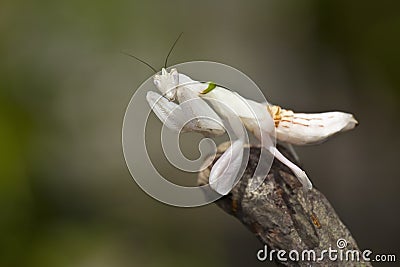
[[166, 59], [140, 60], [172, 48]]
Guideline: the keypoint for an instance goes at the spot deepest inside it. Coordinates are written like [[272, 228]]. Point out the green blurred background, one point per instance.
[[66, 197]]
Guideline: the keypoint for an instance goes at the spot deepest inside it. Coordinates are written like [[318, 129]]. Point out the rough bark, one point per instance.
[[285, 217]]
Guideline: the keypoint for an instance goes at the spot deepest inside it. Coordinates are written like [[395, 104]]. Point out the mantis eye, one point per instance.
[[157, 83]]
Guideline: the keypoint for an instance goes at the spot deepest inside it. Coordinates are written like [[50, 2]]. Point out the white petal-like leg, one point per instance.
[[169, 113], [224, 173], [203, 117], [300, 174]]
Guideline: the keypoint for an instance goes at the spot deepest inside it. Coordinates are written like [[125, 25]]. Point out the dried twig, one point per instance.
[[283, 216]]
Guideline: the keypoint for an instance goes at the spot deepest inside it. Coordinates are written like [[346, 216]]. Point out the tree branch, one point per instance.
[[283, 216]]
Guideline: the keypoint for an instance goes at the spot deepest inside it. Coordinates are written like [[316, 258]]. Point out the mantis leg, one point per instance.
[[300, 174], [224, 173], [192, 115], [169, 113], [203, 118]]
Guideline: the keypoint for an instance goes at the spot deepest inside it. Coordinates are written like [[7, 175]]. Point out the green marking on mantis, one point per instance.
[[211, 86]]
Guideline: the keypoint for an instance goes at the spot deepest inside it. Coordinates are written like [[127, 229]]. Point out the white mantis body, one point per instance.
[[261, 119]]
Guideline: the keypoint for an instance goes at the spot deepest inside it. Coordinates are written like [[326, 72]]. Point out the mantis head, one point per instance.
[[167, 82]]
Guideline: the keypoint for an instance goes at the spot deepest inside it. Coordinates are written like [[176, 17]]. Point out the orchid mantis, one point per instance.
[[203, 104]]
